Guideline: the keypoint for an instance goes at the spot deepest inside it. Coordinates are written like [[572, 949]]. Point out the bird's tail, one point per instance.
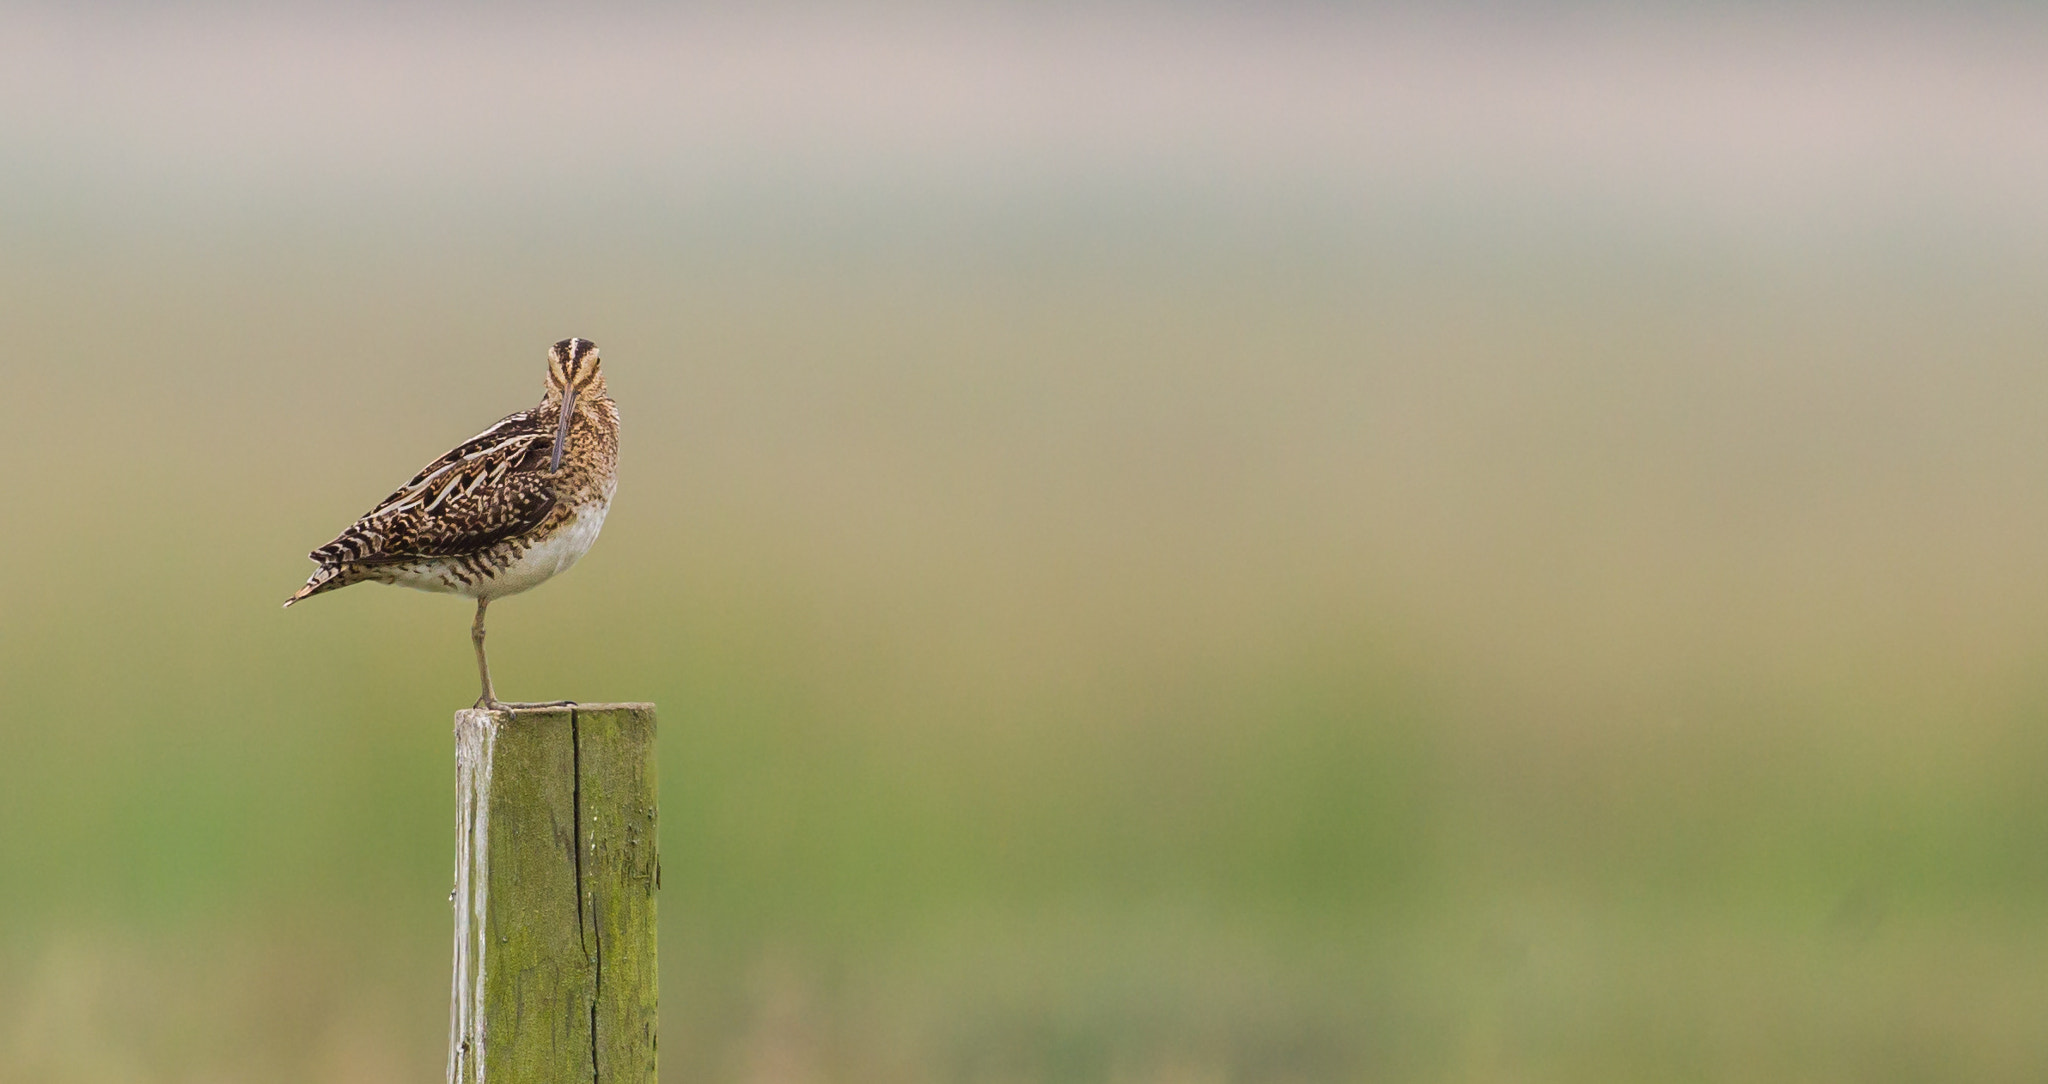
[[328, 578]]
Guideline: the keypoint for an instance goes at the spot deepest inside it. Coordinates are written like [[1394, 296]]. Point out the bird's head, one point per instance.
[[573, 367], [573, 373]]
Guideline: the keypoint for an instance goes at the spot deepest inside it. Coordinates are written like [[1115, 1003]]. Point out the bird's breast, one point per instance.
[[539, 559]]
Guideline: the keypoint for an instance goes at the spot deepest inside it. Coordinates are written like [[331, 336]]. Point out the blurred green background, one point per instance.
[[1172, 545]]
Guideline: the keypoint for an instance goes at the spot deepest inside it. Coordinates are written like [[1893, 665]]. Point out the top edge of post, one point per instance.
[[628, 705]]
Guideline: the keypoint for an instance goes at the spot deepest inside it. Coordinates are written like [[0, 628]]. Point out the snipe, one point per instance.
[[502, 512]]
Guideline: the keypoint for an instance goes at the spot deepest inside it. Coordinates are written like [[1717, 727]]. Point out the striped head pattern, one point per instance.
[[572, 364]]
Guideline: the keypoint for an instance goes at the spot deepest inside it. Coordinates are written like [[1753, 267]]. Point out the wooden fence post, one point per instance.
[[555, 873]]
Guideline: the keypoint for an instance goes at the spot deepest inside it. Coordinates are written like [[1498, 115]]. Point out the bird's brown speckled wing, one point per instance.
[[488, 488]]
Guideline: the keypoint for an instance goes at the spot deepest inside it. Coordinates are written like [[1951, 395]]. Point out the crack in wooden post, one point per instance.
[[556, 872]]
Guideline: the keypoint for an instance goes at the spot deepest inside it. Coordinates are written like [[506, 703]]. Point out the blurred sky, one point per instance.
[[1810, 117]]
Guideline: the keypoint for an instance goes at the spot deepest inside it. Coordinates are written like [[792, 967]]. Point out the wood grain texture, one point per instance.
[[559, 981]]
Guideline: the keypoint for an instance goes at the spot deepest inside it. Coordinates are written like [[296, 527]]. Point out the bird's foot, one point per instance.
[[494, 704]]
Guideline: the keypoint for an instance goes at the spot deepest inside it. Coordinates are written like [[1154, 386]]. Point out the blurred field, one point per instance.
[[1125, 622]]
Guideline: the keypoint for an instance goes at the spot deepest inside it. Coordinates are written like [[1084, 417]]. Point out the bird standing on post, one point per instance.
[[500, 513]]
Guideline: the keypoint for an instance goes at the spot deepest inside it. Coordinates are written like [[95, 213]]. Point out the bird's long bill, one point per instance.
[[562, 430]]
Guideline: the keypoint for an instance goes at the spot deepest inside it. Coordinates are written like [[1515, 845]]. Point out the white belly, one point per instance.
[[549, 557]]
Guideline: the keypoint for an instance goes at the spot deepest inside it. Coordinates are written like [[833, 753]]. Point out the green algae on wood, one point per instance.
[[556, 870]]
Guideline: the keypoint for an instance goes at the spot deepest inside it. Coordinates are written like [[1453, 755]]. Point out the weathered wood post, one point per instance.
[[555, 873]]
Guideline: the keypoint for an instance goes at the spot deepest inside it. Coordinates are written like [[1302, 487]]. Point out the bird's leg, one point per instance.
[[489, 701], [483, 667]]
